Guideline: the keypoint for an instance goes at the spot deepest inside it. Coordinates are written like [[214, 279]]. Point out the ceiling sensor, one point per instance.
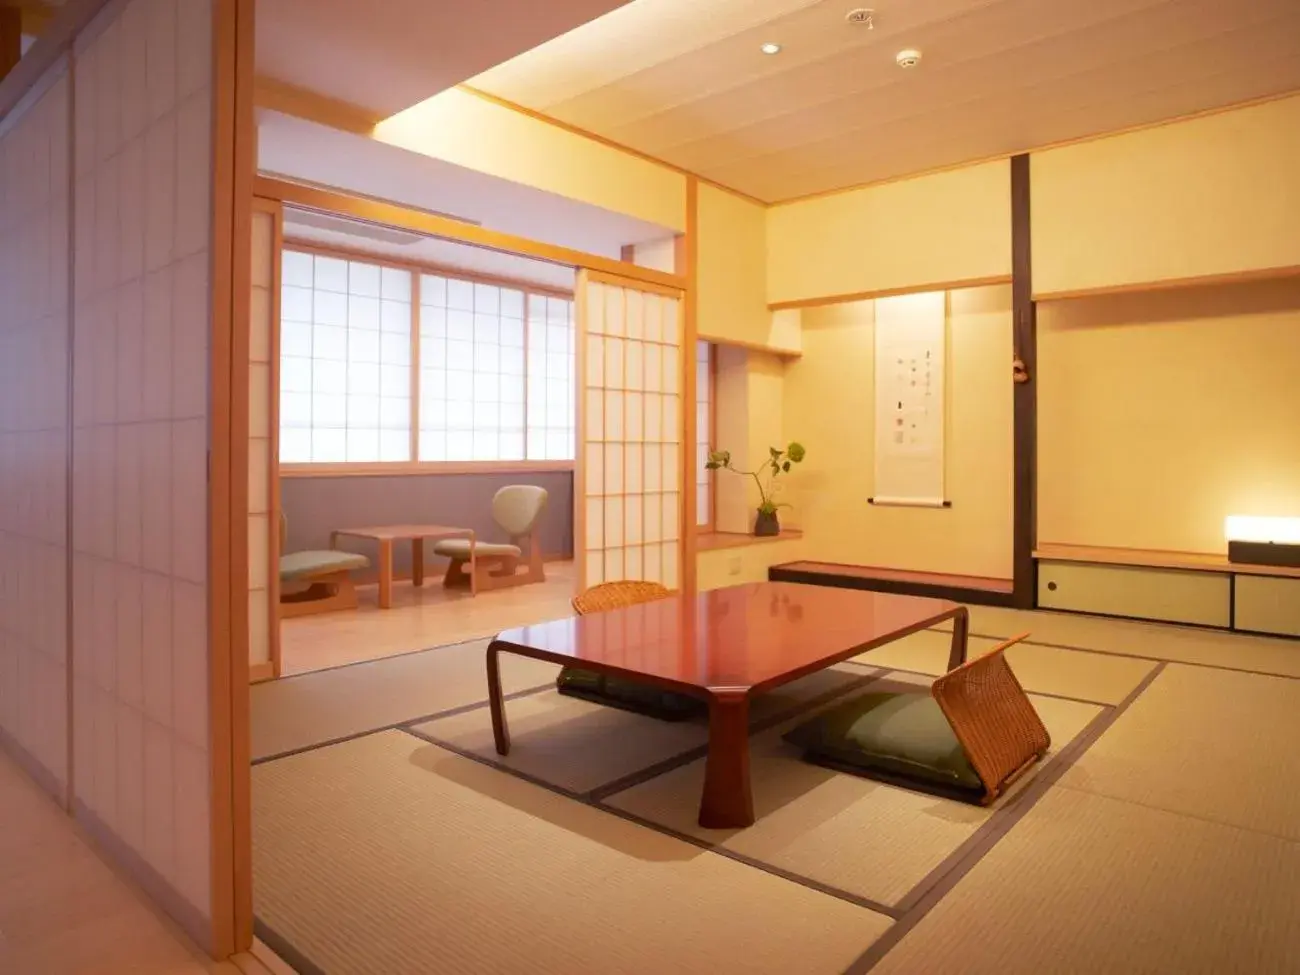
[[861, 16], [908, 59]]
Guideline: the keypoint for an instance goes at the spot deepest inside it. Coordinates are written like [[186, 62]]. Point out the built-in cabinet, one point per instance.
[[1169, 587]]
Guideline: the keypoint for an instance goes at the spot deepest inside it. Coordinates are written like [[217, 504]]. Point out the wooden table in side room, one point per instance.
[[725, 646], [386, 535]]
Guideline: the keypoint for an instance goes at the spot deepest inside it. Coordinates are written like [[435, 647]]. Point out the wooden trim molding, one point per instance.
[[11, 39], [777, 351], [1154, 559], [234, 166], [418, 221], [287, 99], [426, 468], [689, 310], [1025, 393], [911, 289], [714, 541], [422, 267], [623, 281], [1280, 273]]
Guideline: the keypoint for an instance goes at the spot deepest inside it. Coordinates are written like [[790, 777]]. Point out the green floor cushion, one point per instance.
[[458, 548], [304, 565], [898, 737], [629, 695]]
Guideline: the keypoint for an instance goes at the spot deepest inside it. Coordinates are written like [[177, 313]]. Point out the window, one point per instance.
[[480, 371], [704, 434], [345, 361]]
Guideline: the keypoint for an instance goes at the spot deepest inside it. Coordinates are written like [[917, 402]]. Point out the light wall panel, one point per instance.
[[142, 244], [948, 227], [1160, 414], [1218, 195], [460, 128], [629, 489], [34, 346], [829, 402]]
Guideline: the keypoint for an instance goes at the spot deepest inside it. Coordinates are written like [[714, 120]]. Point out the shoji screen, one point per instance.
[[34, 159], [630, 491], [263, 487]]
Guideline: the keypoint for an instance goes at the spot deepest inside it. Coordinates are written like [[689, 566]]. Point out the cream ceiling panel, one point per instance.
[[684, 80]]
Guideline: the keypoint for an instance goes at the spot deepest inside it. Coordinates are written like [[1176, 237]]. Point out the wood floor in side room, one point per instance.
[[63, 910], [421, 617]]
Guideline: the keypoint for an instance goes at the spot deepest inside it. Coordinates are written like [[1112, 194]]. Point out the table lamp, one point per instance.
[[1263, 540]]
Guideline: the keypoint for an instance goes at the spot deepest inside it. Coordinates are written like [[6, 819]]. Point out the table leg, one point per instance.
[[473, 565], [727, 802], [960, 638], [417, 561], [385, 573], [496, 702]]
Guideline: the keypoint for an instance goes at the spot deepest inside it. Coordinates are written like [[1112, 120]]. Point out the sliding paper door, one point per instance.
[[628, 487]]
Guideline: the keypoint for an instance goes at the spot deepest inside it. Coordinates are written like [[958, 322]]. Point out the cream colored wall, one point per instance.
[[1208, 196], [731, 272], [929, 230], [749, 393], [1161, 413], [717, 568], [472, 132], [829, 406]]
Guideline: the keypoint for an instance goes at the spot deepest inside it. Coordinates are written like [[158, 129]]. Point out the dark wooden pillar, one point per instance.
[[11, 38], [1025, 345]]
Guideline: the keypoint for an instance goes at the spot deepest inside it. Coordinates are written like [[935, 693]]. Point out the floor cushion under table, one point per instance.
[[629, 695], [898, 737]]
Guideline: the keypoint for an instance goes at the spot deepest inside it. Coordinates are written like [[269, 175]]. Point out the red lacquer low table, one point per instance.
[[725, 646]]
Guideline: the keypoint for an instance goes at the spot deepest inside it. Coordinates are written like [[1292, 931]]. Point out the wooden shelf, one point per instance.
[[1153, 559], [714, 541]]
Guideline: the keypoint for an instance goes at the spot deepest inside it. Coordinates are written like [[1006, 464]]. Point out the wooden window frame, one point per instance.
[[416, 466]]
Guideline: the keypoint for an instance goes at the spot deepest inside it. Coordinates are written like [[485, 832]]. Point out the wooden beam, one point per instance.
[[11, 39], [422, 222], [280, 96], [1025, 422]]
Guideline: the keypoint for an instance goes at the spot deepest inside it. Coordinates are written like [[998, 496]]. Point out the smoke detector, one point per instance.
[[861, 16], [908, 59]]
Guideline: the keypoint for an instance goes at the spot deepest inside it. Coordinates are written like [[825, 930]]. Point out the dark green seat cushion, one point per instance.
[[899, 737], [619, 692]]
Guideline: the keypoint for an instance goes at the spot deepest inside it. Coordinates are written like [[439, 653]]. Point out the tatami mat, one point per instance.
[[298, 712], [1042, 670], [579, 746], [846, 832], [389, 856], [1208, 743], [1184, 644], [1085, 885]]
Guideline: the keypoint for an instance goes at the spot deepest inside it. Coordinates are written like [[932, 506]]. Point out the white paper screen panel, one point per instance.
[[632, 436]]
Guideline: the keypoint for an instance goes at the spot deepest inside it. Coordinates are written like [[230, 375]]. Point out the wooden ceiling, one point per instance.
[[685, 81], [387, 55]]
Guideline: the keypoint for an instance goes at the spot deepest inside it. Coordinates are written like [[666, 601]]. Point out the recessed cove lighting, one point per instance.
[[770, 48]]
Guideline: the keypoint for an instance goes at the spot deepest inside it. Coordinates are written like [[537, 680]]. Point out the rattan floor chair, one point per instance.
[[973, 735], [617, 692]]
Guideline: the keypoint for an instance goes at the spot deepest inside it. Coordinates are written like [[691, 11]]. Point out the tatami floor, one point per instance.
[[421, 617], [1162, 834]]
